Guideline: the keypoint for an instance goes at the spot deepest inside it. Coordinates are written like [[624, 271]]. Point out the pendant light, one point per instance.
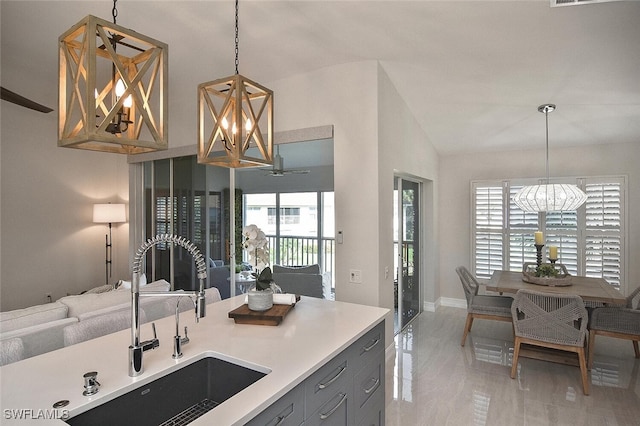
[[232, 113], [113, 87], [549, 197]]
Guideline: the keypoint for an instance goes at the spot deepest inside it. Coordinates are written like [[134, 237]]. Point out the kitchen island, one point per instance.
[[312, 334]]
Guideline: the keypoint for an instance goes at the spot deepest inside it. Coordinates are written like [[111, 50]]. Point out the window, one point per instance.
[[590, 240], [288, 215], [300, 226]]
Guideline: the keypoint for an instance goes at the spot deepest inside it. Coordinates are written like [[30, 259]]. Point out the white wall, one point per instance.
[[456, 173], [374, 135], [344, 96], [405, 149], [49, 243]]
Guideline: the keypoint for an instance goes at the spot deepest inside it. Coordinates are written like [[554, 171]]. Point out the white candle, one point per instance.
[[553, 252], [539, 237]]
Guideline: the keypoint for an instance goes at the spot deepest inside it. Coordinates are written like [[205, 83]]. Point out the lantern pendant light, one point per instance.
[[232, 114], [549, 197], [113, 87]]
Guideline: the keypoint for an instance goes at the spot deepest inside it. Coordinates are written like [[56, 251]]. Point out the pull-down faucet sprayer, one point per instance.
[[137, 348]]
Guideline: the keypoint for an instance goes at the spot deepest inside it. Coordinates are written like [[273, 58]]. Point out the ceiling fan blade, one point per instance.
[[279, 170], [9, 96], [283, 172]]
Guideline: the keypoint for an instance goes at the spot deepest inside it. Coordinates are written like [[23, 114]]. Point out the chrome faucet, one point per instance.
[[137, 348], [178, 340]]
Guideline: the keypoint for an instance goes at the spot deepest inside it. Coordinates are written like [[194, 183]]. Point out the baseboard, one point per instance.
[[453, 303], [444, 301]]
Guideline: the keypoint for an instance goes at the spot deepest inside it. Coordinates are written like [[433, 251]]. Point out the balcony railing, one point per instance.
[[300, 251]]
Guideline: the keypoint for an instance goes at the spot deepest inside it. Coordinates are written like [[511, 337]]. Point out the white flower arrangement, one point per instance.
[[256, 244]]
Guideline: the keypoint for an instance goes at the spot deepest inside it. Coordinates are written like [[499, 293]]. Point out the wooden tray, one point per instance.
[[562, 280], [273, 316]]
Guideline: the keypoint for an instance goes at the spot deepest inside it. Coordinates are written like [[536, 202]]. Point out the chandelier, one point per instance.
[[113, 87], [232, 113], [549, 197]]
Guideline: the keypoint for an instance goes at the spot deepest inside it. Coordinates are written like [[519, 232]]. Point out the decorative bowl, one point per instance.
[[563, 278]]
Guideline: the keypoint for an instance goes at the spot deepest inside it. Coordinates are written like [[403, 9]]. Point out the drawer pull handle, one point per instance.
[[333, 410], [371, 346], [283, 418], [372, 388], [333, 379]]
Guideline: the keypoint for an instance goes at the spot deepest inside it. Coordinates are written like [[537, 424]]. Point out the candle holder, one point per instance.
[[539, 254], [553, 261]]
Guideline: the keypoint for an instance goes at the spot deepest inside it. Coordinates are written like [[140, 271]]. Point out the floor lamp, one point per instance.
[[108, 213]]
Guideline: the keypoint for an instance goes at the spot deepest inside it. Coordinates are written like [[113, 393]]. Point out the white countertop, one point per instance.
[[312, 333]]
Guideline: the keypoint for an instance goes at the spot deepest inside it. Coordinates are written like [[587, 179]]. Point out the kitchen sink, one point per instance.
[[175, 399]]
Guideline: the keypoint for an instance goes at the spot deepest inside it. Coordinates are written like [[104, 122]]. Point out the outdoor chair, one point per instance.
[[618, 322], [555, 321], [481, 306]]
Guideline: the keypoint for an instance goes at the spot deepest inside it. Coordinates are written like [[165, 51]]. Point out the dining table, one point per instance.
[[590, 289]]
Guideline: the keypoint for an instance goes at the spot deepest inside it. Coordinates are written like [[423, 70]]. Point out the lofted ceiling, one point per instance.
[[472, 72]]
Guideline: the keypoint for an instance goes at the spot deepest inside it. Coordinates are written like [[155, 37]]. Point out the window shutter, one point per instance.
[[603, 241], [522, 225], [488, 222], [590, 240]]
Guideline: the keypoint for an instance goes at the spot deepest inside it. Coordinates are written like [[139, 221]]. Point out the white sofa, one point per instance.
[[39, 329]]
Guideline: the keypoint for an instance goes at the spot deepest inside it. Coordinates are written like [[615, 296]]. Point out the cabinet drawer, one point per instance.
[[373, 411], [368, 346], [367, 383], [287, 411], [334, 377], [335, 412]]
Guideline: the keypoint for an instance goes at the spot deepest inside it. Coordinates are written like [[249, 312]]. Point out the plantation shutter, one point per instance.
[[590, 240], [522, 225], [603, 235], [488, 222]]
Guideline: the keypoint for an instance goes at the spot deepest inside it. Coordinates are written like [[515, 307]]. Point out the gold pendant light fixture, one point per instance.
[[113, 86], [232, 113], [549, 197]]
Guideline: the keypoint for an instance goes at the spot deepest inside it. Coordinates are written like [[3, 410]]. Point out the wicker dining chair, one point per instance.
[[481, 306], [556, 321], [619, 322]]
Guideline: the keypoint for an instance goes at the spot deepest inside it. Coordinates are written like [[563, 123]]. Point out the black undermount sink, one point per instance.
[[175, 399]]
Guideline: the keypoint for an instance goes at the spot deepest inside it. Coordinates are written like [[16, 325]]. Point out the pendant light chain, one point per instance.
[[114, 11], [237, 39]]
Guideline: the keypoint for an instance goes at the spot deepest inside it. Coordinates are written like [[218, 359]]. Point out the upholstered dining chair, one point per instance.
[[556, 321], [481, 306], [618, 322]]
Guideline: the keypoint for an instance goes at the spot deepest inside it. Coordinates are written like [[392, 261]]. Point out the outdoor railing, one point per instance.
[[300, 251]]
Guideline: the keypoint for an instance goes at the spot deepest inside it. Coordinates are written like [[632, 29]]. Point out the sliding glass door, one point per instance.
[[407, 250], [180, 201]]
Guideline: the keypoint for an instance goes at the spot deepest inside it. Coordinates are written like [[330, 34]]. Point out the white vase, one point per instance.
[[260, 300]]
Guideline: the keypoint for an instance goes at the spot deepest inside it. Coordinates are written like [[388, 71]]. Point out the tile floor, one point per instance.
[[432, 380]]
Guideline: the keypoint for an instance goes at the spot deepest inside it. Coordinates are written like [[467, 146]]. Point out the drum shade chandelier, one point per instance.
[[232, 113], [113, 87], [549, 197]]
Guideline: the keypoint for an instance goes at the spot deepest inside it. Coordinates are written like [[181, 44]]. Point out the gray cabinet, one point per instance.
[[287, 411], [347, 390]]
